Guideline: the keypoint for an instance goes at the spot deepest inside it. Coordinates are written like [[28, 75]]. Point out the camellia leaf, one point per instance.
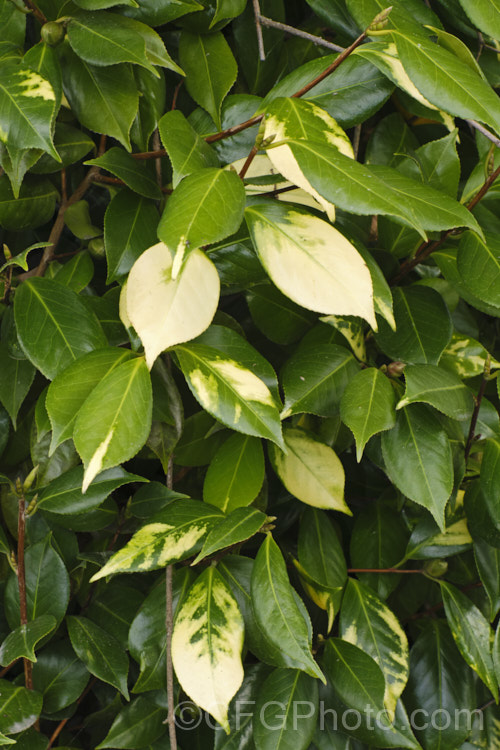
[[100, 652], [423, 326], [478, 262], [447, 81], [164, 311], [206, 207], [439, 388], [472, 634], [187, 151], [21, 642], [276, 726], [115, 420], [235, 474], [64, 494], [140, 723], [27, 105], [369, 624], [240, 524], [59, 675], [367, 406], [206, 645], [485, 14], [19, 708], [230, 391], [171, 536], [69, 390], [276, 611], [16, 377], [45, 314], [310, 470], [488, 564], [129, 229], [490, 474], [210, 70], [439, 682], [132, 172], [418, 459], [314, 379], [311, 262]]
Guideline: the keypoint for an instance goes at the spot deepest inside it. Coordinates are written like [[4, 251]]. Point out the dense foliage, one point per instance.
[[249, 429]]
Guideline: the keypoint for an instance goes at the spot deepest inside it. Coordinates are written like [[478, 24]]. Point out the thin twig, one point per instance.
[[169, 626], [21, 578], [156, 147], [484, 131], [7, 669], [36, 11], [57, 731], [258, 29], [251, 156], [475, 414], [298, 32]]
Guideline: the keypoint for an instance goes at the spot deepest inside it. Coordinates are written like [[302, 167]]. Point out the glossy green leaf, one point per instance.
[[311, 262], [465, 357], [488, 565], [152, 498], [446, 260], [423, 326], [21, 642], [240, 525], [33, 207], [76, 273], [471, 633], [279, 319], [64, 494], [426, 541], [230, 391], [157, 13], [418, 459], [114, 608], [310, 470], [99, 651], [478, 263], [405, 14], [139, 724], [69, 390], [485, 14], [132, 172], [284, 696], [19, 708], [235, 474], [187, 151], [314, 379], [206, 645], [206, 207], [367, 406], [210, 70], [46, 594], [369, 624], [104, 99], [77, 219], [276, 611], [13, 24], [490, 473], [115, 420], [28, 103], [168, 315], [447, 81], [147, 639], [439, 388], [59, 675], [45, 314], [176, 534], [440, 684], [16, 162], [378, 541], [129, 229], [16, 377]]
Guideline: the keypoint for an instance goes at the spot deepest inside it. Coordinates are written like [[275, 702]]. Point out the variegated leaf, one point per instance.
[[174, 535], [369, 624], [206, 645]]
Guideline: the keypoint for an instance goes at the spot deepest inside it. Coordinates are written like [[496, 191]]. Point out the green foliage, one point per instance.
[[249, 333]]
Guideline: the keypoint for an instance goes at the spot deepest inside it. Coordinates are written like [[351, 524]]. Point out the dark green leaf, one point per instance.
[[16, 377], [22, 641], [235, 474], [138, 724], [240, 525], [34, 206], [439, 388], [133, 173], [19, 708], [488, 564], [186, 150], [59, 676], [478, 263], [100, 652]]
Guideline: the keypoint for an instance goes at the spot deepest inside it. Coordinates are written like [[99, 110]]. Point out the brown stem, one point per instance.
[[169, 626], [475, 414], [57, 731], [298, 32], [156, 146], [383, 570], [36, 11], [258, 29], [251, 156], [106, 179], [277, 191], [477, 126], [7, 669], [21, 579]]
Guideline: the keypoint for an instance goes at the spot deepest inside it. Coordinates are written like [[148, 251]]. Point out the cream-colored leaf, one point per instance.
[[164, 311], [311, 262], [310, 470], [206, 645]]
